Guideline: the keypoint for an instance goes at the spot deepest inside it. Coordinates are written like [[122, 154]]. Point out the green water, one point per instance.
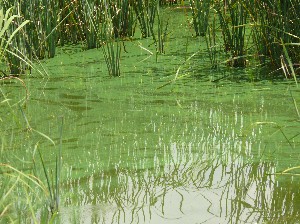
[[193, 151]]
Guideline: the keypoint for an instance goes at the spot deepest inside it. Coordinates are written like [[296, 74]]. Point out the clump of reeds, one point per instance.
[[10, 25], [211, 43], [145, 14], [276, 30], [200, 15], [272, 27], [233, 21], [20, 193], [162, 29], [110, 43]]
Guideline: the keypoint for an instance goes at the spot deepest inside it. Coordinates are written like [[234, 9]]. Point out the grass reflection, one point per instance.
[[231, 189], [157, 159]]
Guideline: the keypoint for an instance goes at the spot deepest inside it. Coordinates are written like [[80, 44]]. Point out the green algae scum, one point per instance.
[[149, 111]]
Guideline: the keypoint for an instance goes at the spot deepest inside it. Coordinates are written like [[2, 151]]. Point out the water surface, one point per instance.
[[194, 151]]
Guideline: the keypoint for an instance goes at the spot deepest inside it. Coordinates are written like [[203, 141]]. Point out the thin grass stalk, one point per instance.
[[225, 28], [233, 30], [160, 43], [289, 63], [200, 15], [296, 107], [112, 54], [48, 181], [59, 164], [111, 46], [145, 13], [26, 186], [53, 182], [12, 29], [210, 39]]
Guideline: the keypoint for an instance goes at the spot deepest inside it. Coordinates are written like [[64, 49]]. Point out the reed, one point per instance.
[[233, 22], [122, 18], [272, 26], [145, 13], [162, 31], [276, 28], [112, 54], [26, 186], [211, 43], [200, 15], [93, 17], [9, 27], [53, 181], [110, 45]]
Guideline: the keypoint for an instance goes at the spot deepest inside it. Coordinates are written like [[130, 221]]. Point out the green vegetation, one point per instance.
[[260, 32], [237, 34]]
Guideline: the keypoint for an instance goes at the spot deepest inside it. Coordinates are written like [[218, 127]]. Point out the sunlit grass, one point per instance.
[[249, 29]]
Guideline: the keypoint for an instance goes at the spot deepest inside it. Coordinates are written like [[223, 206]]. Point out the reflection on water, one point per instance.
[[190, 153], [153, 161]]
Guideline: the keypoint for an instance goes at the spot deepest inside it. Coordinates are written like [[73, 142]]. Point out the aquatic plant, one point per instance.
[[200, 15], [234, 31], [26, 186], [122, 17], [264, 30], [7, 32], [145, 14], [94, 18], [211, 43], [110, 45], [162, 29], [275, 30]]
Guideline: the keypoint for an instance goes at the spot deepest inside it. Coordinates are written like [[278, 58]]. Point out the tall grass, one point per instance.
[[267, 30], [200, 15], [145, 13], [122, 18], [27, 187], [271, 26], [233, 23], [111, 44], [211, 43], [8, 31], [276, 26], [162, 29]]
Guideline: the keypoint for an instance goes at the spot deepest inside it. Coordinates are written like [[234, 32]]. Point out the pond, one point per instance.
[[135, 150]]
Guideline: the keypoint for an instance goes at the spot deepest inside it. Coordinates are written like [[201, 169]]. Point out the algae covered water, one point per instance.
[[135, 150]]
